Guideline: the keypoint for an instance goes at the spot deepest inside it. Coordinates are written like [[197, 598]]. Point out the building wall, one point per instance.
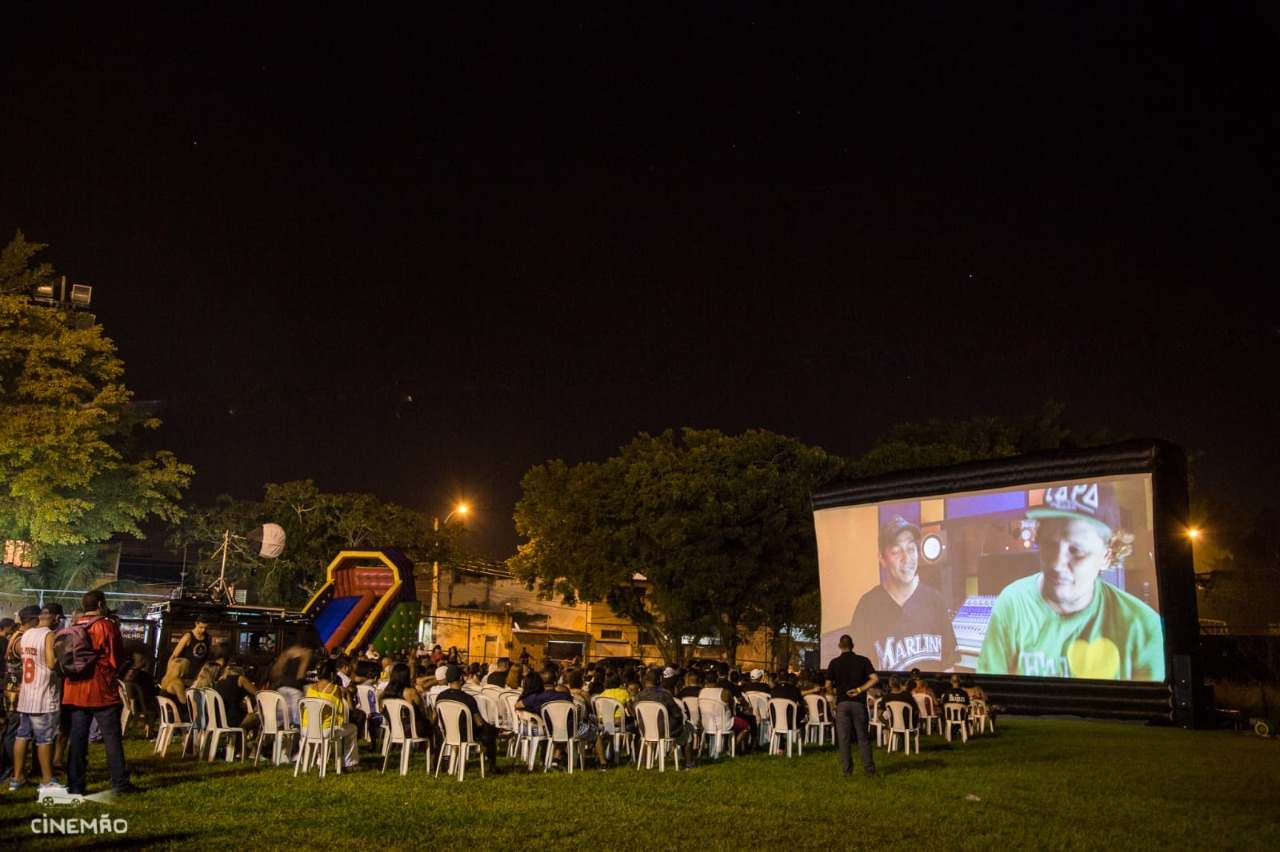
[[487, 616]]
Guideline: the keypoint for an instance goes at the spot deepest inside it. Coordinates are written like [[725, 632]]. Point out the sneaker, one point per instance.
[[15, 785], [54, 786]]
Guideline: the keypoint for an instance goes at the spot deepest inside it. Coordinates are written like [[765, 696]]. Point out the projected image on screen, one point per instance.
[[1054, 579]]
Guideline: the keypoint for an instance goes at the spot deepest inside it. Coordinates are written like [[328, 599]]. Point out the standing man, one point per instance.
[[39, 703], [195, 646], [97, 697], [849, 676], [28, 618], [902, 622]]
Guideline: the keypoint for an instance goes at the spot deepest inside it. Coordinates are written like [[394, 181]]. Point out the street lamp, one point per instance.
[[460, 509]]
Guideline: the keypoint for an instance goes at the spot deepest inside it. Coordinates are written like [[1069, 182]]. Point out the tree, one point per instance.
[[719, 526], [317, 527], [72, 470], [938, 443]]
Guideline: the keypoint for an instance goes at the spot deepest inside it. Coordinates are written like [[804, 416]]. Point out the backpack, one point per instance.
[[75, 657]]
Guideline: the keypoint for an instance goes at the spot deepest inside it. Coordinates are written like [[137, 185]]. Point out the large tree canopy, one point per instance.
[[719, 526], [71, 468]]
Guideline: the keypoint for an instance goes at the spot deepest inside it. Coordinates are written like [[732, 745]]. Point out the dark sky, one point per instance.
[[414, 253]]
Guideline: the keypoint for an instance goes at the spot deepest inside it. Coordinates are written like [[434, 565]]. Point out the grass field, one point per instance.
[[1034, 784]]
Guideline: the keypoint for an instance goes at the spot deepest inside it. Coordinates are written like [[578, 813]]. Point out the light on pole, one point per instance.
[[460, 509]]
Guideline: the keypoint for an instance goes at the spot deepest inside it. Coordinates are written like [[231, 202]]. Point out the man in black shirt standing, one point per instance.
[[849, 676]]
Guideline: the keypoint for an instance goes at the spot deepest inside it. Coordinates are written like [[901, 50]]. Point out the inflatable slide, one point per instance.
[[368, 598]]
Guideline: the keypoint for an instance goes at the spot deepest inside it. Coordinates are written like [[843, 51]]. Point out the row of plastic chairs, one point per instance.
[[955, 718]]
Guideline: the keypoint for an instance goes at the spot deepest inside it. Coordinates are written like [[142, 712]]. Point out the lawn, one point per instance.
[[1035, 783]]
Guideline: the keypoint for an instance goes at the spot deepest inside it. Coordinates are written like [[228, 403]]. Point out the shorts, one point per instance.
[[42, 727]]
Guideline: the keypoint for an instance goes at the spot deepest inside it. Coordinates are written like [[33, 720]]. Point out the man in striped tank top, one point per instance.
[[39, 702]]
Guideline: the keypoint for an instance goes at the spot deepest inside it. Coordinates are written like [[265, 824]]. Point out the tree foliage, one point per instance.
[[317, 527], [71, 468], [937, 443], [719, 526]]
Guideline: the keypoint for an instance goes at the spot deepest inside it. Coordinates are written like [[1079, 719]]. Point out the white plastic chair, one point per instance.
[[459, 738], [531, 733], [717, 728], [402, 730], [759, 703], [782, 725], [655, 735], [612, 718], [319, 736], [929, 714], [219, 727], [509, 720], [819, 722], [692, 717], [170, 723], [367, 701], [274, 710], [902, 725], [197, 728], [875, 718], [955, 716], [561, 721], [979, 717]]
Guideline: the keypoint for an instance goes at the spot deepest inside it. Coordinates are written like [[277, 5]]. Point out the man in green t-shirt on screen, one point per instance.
[[1065, 621]]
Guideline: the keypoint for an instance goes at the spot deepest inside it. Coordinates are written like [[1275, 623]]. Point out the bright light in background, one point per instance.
[[1193, 533]]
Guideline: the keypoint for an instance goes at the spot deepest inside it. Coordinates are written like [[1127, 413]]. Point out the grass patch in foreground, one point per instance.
[[1043, 784]]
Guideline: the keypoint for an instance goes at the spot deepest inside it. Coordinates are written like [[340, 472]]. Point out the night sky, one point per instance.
[[414, 253]]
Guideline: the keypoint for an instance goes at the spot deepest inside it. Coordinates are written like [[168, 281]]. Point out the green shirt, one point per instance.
[[1116, 637]]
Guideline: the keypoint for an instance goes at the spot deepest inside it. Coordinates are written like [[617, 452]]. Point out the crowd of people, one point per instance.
[[57, 716], [61, 716]]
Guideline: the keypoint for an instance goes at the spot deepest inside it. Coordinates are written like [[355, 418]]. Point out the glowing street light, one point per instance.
[[460, 509]]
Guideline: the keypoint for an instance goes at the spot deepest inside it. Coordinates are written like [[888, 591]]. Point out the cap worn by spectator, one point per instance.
[[29, 612], [668, 672], [442, 674], [757, 674], [54, 609], [452, 674]]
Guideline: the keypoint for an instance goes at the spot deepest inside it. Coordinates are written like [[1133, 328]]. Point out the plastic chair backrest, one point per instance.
[[782, 714], [394, 711], [691, 714], [713, 716], [899, 715], [924, 703], [759, 702], [819, 709], [655, 724], [168, 711], [455, 718], [367, 698], [274, 711], [608, 712], [216, 711], [318, 718], [561, 718], [488, 707]]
